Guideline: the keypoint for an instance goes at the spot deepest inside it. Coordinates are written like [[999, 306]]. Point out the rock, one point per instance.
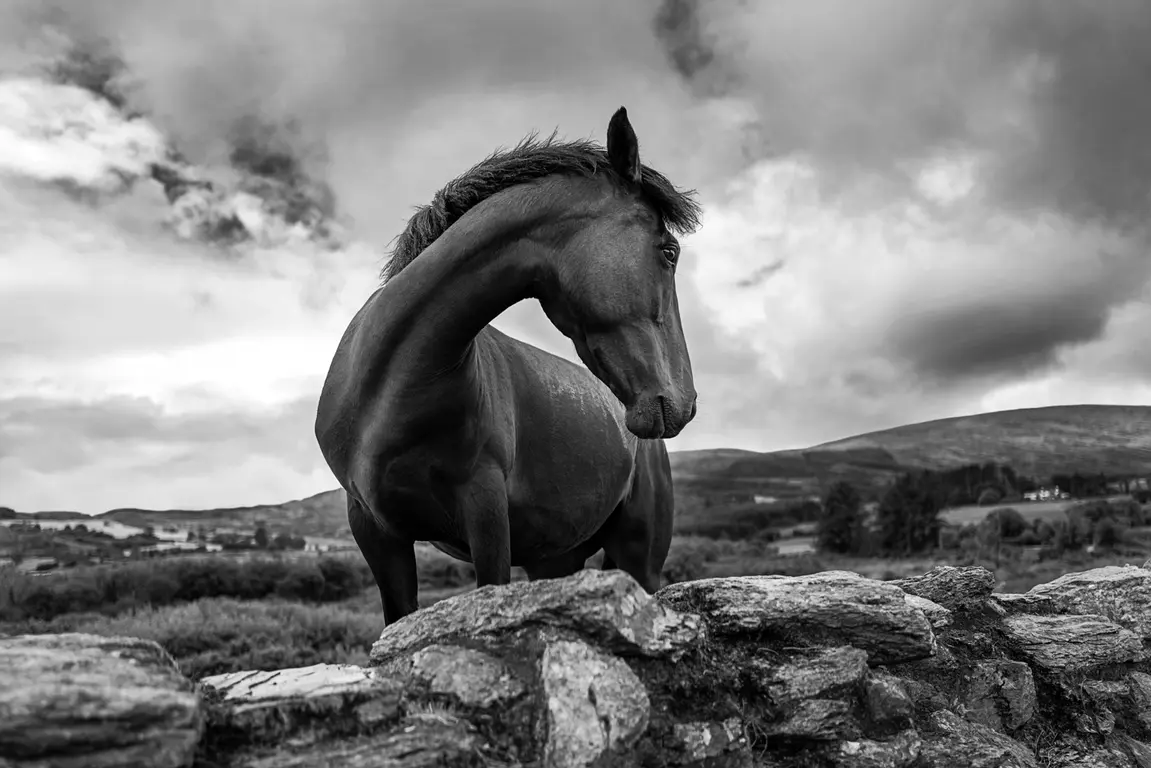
[[699, 740], [829, 673], [465, 676], [1072, 643], [957, 743], [609, 607], [307, 703], [887, 699], [1121, 593], [1011, 604], [834, 607], [899, 752], [1139, 686], [956, 589], [425, 741], [939, 616], [813, 696], [595, 704], [1000, 694], [82, 701]]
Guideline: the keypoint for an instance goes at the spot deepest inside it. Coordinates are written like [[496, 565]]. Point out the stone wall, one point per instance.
[[825, 670]]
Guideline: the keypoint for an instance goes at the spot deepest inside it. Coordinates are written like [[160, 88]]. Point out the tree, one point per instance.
[[261, 536], [836, 529], [908, 516]]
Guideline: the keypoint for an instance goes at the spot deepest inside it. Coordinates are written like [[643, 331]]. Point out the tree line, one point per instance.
[[907, 519]]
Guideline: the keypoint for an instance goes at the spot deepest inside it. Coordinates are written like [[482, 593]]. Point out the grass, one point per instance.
[[973, 514], [258, 626]]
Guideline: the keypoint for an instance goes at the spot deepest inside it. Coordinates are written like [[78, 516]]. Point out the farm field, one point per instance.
[[1031, 510]]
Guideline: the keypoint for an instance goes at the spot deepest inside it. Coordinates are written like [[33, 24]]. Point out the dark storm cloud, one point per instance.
[[1043, 96], [1047, 93]]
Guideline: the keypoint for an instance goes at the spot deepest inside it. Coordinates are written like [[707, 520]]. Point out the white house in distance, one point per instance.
[[1046, 494]]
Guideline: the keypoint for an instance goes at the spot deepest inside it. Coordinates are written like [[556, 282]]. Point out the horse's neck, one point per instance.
[[480, 266]]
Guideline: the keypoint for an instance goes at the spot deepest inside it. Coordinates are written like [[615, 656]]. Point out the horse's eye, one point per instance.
[[671, 253]]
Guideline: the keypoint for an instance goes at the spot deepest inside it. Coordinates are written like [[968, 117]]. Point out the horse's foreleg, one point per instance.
[[392, 560], [484, 509], [637, 537]]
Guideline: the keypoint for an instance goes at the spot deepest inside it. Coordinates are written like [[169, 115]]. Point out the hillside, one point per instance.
[[1037, 442], [1114, 439]]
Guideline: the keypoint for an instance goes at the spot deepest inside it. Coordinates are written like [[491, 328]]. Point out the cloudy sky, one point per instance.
[[914, 209]]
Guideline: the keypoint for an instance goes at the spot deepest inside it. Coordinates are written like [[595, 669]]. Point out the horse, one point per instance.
[[443, 429]]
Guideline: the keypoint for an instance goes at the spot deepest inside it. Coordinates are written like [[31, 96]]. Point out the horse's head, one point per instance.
[[613, 292]]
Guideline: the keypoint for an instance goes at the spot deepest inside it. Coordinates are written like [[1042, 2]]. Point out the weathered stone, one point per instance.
[[902, 751], [1065, 755], [953, 588], [701, 740], [422, 741], [1139, 686], [815, 720], [1099, 720], [999, 694], [609, 607], [307, 703], [595, 704], [83, 701], [957, 743], [939, 616], [887, 699], [833, 607], [1011, 604], [827, 674], [465, 676], [1121, 593], [1072, 643]]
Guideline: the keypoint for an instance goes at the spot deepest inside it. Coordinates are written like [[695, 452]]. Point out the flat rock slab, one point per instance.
[[425, 741], [83, 701], [953, 588], [1121, 593], [1007, 603], [609, 607], [1072, 643], [830, 608], [305, 703]]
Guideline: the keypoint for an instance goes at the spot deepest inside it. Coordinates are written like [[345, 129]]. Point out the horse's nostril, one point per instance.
[[666, 412], [692, 414]]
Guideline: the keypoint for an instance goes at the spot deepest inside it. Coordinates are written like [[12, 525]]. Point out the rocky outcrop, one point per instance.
[[831, 669]]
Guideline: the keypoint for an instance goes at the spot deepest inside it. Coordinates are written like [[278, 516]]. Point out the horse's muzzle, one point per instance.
[[656, 417]]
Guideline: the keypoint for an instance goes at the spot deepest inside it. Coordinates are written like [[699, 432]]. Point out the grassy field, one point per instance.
[[218, 613], [1031, 510]]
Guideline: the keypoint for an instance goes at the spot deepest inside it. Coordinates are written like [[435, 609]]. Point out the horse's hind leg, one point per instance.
[[392, 560], [637, 537]]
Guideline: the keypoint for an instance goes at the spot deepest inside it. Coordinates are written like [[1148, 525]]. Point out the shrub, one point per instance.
[[988, 497], [167, 581]]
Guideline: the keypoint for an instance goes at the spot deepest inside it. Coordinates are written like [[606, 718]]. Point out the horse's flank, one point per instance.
[[528, 161]]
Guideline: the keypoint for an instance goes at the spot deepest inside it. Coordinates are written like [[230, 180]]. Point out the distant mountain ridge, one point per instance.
[[1115, 439]]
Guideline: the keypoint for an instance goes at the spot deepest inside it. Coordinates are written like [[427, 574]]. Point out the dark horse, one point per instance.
[[442, 429]]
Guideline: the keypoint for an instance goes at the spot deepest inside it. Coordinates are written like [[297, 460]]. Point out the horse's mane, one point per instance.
[[529, 160]]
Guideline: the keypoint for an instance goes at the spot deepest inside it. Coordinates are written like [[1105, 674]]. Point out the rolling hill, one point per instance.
[[1035, 441]]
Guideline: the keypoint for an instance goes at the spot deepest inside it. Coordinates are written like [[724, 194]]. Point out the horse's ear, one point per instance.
[[623, 147]]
